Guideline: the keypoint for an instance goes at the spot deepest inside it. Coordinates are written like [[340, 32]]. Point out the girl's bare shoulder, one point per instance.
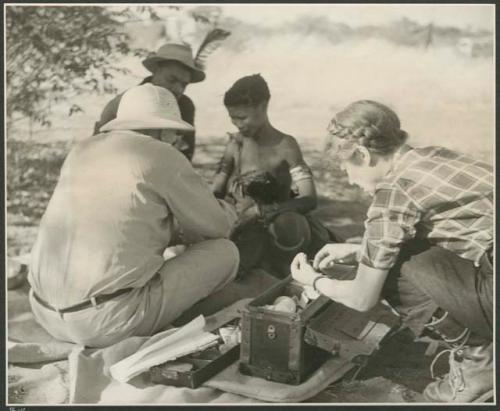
[[289, 142]]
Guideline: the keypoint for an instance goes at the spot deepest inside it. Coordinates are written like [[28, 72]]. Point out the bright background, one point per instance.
[[314, 69]]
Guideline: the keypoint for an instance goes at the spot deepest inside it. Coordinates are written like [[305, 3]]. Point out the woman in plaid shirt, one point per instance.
[[427, 247]]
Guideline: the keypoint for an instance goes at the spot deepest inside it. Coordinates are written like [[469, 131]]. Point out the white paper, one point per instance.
[[185, 340]]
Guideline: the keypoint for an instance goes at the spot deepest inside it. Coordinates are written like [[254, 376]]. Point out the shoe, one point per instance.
[[470, 378]]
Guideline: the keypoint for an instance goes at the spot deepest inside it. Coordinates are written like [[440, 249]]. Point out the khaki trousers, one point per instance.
[[201, 270]]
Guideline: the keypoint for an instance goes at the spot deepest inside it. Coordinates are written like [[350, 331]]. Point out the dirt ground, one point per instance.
[[397, 373]]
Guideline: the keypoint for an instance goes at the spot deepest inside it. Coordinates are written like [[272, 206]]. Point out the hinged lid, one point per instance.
[[349, 333], [345, 331]]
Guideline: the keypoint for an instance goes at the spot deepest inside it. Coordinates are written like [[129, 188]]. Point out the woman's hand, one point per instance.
[[336, 253], [302, 271]]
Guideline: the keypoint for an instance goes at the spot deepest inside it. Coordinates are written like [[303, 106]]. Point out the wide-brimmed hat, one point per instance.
[[147, 107], [182, 53]]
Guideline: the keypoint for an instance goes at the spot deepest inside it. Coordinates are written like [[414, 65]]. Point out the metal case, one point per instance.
[[273, 345], [205, 365]]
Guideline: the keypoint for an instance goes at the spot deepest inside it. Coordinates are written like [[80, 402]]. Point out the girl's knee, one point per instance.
[[290, 231]]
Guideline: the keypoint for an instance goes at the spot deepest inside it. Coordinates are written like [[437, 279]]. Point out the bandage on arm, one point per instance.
[[301, 172]]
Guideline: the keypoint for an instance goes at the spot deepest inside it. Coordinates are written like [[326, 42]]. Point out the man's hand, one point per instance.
[[302, 271], [336, 253]]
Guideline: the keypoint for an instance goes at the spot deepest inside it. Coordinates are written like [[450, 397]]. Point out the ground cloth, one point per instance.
[[40, 374]]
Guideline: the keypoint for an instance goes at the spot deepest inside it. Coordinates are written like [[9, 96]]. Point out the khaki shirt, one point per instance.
[[119, 197]]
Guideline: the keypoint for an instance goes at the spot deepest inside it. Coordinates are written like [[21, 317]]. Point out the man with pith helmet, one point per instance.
[[98, 270], [173, 68]]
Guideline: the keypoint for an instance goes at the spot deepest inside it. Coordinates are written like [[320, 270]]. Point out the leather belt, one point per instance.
[[86, 304]]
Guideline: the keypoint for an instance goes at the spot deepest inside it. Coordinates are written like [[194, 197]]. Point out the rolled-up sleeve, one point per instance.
[[391, 221]]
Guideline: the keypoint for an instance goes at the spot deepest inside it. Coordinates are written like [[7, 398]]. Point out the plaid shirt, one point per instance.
[[431, 193]]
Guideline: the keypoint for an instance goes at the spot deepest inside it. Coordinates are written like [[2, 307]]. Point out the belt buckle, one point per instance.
[[58, 311]]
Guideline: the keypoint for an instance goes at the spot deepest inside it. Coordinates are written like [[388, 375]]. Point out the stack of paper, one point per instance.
[[177, 343]]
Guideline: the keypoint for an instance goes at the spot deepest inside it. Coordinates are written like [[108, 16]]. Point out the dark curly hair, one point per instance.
[[247, 91], [370, 124]]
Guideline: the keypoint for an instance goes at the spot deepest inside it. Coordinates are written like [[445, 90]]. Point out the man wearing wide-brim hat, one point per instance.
[[98, 270], [173, 68]]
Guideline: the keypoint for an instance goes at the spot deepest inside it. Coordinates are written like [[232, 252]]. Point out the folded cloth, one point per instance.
[[231, 380], [30, 353]]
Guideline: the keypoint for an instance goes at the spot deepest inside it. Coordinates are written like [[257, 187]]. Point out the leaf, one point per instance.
[[50, 62], [212, 41]]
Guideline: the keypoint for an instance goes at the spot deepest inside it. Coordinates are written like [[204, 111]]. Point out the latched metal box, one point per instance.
[[288, 347], [272, 342]]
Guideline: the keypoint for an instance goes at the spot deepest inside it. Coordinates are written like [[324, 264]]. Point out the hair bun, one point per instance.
[[373, 124]]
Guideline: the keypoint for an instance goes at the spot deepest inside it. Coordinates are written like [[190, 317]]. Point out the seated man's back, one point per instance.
[[106, 221], [97, 272]]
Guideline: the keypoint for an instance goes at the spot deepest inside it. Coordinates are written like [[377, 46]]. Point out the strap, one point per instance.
[[94, 301]]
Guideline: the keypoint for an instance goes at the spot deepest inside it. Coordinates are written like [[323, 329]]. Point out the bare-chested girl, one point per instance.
[[263, 172]]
